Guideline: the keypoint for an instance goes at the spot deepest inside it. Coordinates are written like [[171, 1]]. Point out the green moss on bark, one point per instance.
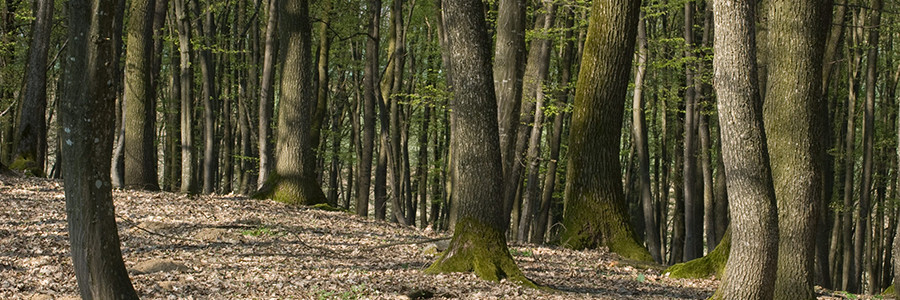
[[480, 249], [292, 190], [704, 267], [28, 166], [598, 223]]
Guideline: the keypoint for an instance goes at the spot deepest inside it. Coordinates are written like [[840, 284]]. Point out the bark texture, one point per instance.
[[140, 100], [595, 211], [479, 242], [750, 271], [792, 113], [31, 130], [86, 118]]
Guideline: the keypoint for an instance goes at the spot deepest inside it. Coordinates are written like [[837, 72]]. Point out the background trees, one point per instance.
[[384, 144]]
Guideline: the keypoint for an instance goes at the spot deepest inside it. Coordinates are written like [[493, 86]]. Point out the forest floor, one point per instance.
[[232, 247]]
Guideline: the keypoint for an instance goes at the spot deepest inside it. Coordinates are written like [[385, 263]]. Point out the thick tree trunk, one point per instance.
[[792, 112], [86, 119], [267, 97], [595, 213], [751, 267], [478, 243], [140, 100], [294, 181], [31, 130]]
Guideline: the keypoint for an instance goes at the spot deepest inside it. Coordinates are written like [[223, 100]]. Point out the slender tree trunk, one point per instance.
[[639, 132], [595, 214], [750, 271], [863, 227], [849, 274], [369, 98], [188, 184], [31, 130], [267, 97], [509, 61], [693, 203], [86, 119], [540, 48], [210, 99], [422, 168], [568, 57], [322, 87]]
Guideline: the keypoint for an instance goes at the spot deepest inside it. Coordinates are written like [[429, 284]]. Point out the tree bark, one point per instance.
[[31, 130], [509, 61], [693, 203], [140, 100], [86, 119], [639, 133], [188, 181], [751, 267], [595, 214], [367, 144], [294, 181], [210, 99], [792, 113], [267, 97], [479, 243]]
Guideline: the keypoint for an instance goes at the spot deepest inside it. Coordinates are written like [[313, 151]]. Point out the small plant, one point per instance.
[[525, 253], [641, 278], [260, 231]]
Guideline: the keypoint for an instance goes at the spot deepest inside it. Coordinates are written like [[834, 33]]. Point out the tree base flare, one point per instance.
[[704, 267], [294, 190], [482, 250], [619, 239]]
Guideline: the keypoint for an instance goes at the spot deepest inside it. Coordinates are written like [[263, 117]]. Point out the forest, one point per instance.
[[721, 149]]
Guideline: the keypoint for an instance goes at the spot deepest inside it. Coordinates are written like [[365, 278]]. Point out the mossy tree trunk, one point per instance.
[[595, 214], [792, 112], [750, 271], [140, 100], [86, 128], [294, 181], [711, 264], [479, 241]]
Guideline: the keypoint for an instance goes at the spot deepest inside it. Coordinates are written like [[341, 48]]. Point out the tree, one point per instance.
[[479, 241], [294, 181], [367, 144], [86, 119], [792, 113], [750, 270], [595, 214], [31, 131], [140, 100], [186, 74], [639, 132], [267, 96]]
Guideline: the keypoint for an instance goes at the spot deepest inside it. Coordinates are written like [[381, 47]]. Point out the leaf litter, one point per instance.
[[231, 247]]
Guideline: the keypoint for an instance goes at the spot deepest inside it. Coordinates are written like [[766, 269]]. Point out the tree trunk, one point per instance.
[[140, 100], [210, 99], [595, 214], [267, 97], [319, 112], [849, 274], [639, 133], [751, 267], [86, 119], [509, 61], [422, 168], [368, 127], [568, 57], [693, 203], [540, 48], [863, 227], [792, 112], [188, 183], [31, 130], [479, 243], [294, 181]]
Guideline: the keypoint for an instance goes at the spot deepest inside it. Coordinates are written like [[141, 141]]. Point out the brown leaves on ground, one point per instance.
[[231, 247]]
